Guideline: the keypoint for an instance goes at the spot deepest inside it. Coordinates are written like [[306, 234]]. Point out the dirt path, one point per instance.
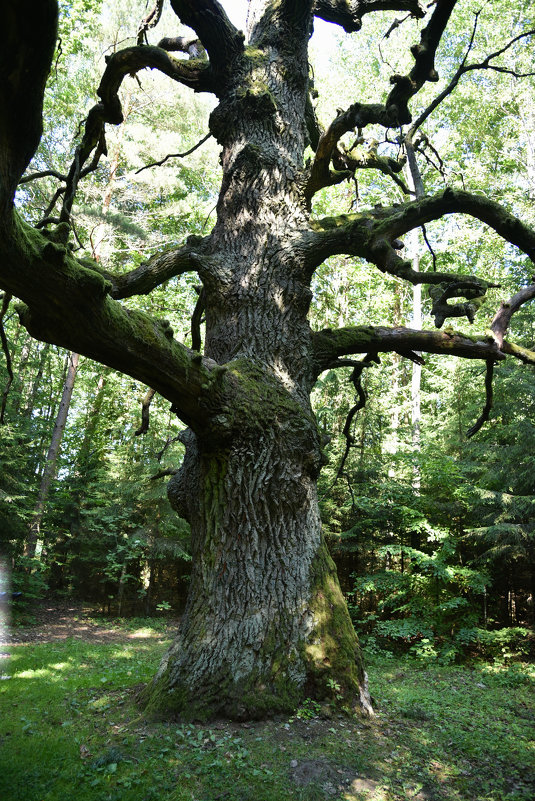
[[59, 620]]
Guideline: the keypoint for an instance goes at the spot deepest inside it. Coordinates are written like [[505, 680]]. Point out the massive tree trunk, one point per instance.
[[266, 623]]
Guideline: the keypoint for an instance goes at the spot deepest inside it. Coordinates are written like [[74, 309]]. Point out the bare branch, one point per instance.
[[168, 471], [150, 21], [456, 201], [145, 413], [154, 272], [406, 86], [465, 68], [502, 318], [47, 217], [395, 111], [356, 380], [44, 174], [430, 248], [374, 236], [357, 116], [175, 155], [169, 441], [125, 62]]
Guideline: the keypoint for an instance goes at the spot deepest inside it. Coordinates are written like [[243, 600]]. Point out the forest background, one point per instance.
[[432, 531]]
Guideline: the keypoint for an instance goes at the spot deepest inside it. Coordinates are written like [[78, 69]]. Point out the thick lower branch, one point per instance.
[[331, 344], [398, 221], [70, 305], [154, 272], [374, 236]]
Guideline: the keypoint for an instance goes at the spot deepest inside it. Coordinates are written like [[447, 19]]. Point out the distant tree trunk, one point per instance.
[[84, 454], [392, 443], [19, 381], [36, 383], [415, 183], [150, 587], [49, 470], [99, 233]]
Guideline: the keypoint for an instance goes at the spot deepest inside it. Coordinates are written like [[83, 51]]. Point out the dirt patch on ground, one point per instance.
[[59, 620]]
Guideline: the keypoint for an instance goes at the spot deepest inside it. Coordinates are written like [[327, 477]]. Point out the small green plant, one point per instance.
[[308, 710], [335, 689]]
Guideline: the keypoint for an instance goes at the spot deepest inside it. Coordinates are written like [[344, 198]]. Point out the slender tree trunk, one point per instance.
[[415, 183], [150, 587], [36, 384], [49, 470], [19, 381], [99, 233], [392, 444]]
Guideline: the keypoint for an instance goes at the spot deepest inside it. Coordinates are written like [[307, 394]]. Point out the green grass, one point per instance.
[[70, 729]]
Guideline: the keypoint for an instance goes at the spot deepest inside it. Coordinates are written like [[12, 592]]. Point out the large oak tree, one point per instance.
[[266, 624]]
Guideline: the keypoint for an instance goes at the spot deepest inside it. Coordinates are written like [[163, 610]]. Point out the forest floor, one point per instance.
[[59, 619], [70, 727]]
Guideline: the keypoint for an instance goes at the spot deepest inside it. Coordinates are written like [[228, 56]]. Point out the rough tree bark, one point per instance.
[[266, 624]]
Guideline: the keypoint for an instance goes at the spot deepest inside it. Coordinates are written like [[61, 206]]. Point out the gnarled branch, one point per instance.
[[395, 111], [485, 414], [150, 21], [216, 32], [145, 412], [406, 86], [329, 345], [125, 62], [156, 271], [502, 318], [175, 155], [40, 271], [464, 68], [374, 237], [349, 13]]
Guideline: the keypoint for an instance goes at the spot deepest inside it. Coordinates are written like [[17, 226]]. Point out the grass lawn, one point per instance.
[[70, 729]]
